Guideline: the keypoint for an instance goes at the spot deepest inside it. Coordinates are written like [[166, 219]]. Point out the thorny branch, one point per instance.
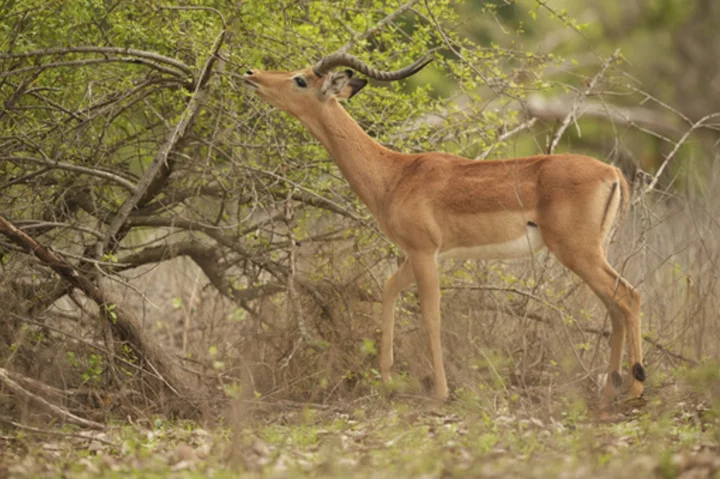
[[579, 98]]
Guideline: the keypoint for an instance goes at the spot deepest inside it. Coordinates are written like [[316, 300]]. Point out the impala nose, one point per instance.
[[249, 72]]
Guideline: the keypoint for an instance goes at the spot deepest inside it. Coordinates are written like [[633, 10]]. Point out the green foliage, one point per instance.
[[91, 366], [368, 347]]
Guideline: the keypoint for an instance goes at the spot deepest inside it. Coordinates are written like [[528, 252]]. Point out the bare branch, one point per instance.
[[550, 109], [670, 156], [46, 225], [206, 258], [231, 242], [91, 61], [159, 162]]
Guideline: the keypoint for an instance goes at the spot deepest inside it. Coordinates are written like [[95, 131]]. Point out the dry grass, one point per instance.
[[529, 326]]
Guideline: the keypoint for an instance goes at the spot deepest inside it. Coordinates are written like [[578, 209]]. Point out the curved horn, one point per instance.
[[343, 59]]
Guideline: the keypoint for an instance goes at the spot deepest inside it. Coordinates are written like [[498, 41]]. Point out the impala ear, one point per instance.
[[353, 86], [342, 84]]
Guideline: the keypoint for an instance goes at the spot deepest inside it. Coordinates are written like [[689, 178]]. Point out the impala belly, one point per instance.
[[517, 248]]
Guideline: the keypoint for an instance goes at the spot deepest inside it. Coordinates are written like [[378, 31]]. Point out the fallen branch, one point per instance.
[[41, 387], [122, 323], [56, 411], [50, 432]]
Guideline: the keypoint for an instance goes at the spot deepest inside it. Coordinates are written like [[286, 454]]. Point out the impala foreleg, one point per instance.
[[427, 278]]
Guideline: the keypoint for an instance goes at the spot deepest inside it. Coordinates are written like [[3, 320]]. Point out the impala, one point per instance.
[[436, 205]]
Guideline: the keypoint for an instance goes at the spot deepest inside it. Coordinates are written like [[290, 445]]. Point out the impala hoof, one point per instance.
[[639, 372], [636, 402], [442, 395]]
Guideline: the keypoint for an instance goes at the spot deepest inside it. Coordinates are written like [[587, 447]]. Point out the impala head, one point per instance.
[[303, 90]]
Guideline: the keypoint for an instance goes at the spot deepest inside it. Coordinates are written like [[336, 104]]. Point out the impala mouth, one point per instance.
[[251, 84]]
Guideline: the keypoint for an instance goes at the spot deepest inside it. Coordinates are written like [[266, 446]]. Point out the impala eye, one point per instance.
[[299, 81]]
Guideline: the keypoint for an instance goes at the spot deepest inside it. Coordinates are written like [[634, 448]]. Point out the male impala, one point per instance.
[[436, 205]]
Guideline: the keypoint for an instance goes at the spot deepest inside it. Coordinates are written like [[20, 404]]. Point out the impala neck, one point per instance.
[[366, 164]]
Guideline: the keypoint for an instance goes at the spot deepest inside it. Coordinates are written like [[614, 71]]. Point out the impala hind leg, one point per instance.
[[623, 304], [400, 280]]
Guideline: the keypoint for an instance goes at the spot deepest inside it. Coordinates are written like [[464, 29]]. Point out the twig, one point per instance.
[[51, 408], [82, 341], [505, 136], [542, 319], [380, 24], [198, 7], [579, 99], [455, 51]]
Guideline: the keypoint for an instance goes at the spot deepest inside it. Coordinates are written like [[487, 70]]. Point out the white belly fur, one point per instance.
[[517, 248]]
